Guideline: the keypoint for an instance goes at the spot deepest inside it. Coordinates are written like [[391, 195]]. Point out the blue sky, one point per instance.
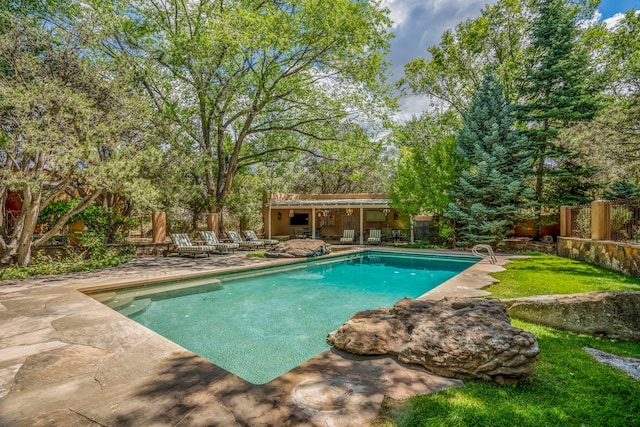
[[419, 24], [608, 8]]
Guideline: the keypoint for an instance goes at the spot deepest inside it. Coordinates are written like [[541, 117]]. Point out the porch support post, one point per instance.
[[361, 225], [313, 222], [269, 221], [412, 238]]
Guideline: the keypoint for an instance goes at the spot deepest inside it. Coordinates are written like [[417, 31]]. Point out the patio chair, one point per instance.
[[235, 238], [374, 237], [250, 235], [348, 236], [182, 245], [211, 239]]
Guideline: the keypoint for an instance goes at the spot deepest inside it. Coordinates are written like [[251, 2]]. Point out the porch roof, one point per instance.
[[330, 203]]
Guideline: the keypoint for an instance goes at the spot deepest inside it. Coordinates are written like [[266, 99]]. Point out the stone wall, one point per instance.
[[622, 257], [517, 245]]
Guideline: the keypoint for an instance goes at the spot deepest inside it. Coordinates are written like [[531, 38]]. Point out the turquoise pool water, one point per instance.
[[262, 325]]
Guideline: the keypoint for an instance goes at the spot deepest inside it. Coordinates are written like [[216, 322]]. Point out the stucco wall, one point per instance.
[[621, 257]]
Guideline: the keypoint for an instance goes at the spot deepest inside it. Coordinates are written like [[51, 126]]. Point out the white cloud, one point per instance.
[[615, 19]]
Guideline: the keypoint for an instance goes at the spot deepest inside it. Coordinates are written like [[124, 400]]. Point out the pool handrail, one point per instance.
[[490, 254]]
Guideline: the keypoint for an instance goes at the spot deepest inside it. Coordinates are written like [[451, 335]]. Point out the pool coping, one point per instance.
[[66, 358]]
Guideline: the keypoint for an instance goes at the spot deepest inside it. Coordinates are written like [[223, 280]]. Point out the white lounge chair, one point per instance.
[[374, 237], [235, 238], [250, 235], [347, 236], [182, 245], [211, 239]]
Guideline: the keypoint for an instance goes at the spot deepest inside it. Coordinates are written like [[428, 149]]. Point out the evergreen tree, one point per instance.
[[622, 190], [491, 195], [556, 93]]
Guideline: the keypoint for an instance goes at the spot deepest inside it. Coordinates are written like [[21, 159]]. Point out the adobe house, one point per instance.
[[326, 216]]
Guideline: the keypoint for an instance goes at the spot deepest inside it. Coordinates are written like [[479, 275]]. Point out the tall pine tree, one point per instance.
[[491, 195], [556, 93]]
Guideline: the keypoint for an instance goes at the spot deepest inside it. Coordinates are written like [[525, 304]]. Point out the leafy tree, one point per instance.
[[242, 80], [453, 73], [555, 93], [622, 55], [612, 140], [491, 195], [65, 127], [354, 164], [427, 165]]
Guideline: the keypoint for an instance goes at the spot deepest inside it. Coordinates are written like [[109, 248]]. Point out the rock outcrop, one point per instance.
[[458, 338], [299, 248], [610, 313]]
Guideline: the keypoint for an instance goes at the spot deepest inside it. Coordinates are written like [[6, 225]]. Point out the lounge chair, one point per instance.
[[374, 237], [250, 235], [211, 239], [182, 245], [348, 236], [235, 238]]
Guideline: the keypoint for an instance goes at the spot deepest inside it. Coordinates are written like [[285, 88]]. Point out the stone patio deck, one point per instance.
[[68, 360]]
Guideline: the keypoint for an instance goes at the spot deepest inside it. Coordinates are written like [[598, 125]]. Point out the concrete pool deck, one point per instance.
[[67, 360]]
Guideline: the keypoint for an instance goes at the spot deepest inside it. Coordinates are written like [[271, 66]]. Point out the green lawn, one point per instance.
[[568, 388], [546, 274]]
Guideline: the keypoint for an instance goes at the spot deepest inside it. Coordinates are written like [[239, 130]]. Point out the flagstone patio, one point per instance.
[[66, 359]]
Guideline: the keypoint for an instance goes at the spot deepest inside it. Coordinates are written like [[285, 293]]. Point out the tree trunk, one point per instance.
[[29, 219]]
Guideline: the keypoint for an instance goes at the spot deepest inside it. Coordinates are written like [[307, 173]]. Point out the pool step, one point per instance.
[[119, 298], [136, 306], [118, 301], [104, 297]]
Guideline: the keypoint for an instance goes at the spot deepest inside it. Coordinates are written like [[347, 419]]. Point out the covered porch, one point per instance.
[[326, 216]]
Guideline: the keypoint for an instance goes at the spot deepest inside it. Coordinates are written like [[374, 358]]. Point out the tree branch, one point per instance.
[[84, 203], [250, 160]]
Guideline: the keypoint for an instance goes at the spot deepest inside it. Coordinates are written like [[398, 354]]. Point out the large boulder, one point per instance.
[[299, 248], [612, 313], [459, 338]]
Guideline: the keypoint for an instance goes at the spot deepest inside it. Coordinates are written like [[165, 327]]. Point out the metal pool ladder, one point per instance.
[[489, 255]]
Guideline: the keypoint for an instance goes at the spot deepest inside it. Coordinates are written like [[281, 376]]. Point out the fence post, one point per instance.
[[600, 218], [564, 221], [159, 226]]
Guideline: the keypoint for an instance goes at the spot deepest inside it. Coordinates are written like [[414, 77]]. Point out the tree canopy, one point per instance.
[[64, 127], [230, 85], [546, 55], [427, 164], [249, 81]]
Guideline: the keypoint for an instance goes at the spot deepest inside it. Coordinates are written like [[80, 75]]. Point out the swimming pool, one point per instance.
[[262, 323]]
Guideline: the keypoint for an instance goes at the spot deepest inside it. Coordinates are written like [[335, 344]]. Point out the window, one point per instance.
[[299, 219]]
